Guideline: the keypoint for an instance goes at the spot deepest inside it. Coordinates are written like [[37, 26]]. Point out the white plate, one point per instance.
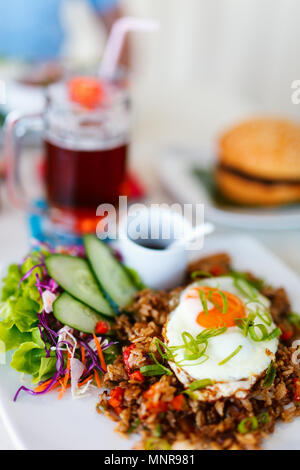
[[175, 169], [46, 423]]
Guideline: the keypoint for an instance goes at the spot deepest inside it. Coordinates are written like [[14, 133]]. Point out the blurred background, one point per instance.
[[211, 64]]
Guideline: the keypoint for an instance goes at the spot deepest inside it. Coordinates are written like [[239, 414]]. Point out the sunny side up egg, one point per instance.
[[232, 359]]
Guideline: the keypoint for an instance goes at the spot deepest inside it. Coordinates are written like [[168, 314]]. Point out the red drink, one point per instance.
[[77, 181], [86, 155], [86, 125], [80, 180]]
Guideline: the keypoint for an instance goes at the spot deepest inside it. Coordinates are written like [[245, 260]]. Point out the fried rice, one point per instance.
[[156, 408]]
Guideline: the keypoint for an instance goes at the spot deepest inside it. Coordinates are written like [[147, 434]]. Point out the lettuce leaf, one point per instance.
[[12, 338], [31, 359], [19, 307], [21, 302], [27, 358], [47, 369], [10, 283]]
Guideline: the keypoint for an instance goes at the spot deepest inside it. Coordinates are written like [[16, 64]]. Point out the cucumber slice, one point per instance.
[[75, 276], [110, 273], [77, 315]]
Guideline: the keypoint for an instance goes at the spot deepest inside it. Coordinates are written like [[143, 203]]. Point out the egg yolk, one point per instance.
[[214, 317]]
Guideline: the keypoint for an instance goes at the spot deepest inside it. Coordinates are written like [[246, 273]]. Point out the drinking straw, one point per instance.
[[116, 39]]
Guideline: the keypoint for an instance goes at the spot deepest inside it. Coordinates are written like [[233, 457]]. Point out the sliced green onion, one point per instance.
[[203, 301], [275, 334], [157, 431], [264, 418], [155, 369], [154, 443], [225, 302], [254, 336], [255, 283], [245, 288], [294, 318], [190, 394], [248, 425], [245, 323], [134, 426], [224, 308], [196, 274], [265, 317], [270, 375], [235, 352], [199, 384], [193, 350], [168, 355], [204, 358], [210, 333], [193, 356], [189, 341]]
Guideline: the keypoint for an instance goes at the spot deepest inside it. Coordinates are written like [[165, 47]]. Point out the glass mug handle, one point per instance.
[[17, 125]]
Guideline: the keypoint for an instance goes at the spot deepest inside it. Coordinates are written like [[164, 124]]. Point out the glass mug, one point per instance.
[[86, 154]]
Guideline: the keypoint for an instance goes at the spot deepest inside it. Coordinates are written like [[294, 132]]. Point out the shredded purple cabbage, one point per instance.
[[112, 343], [32, 392], [93, 356]]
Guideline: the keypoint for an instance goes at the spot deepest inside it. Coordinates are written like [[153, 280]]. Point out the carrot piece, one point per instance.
[[85, 381], [44, 385], [100, 353], [65, 381], [97, 378], [178, 402], [82, 355]]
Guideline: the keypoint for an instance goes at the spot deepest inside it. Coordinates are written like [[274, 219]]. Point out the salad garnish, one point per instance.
[[56, 355]]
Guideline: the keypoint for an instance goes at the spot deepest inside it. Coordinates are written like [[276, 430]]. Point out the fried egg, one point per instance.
[[233, 360]]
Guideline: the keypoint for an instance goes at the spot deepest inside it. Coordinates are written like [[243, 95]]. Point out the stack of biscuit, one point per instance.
[[259, 163]]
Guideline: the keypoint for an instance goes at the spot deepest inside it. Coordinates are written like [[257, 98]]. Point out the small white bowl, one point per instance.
[[162, 267]]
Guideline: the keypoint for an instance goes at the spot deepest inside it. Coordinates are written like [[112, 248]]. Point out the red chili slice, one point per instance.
[[126, 354], [116, 397], [296, 396], [101, 328], [137, 376]]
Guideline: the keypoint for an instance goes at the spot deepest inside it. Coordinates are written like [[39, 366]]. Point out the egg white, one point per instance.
[[236, 376]]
